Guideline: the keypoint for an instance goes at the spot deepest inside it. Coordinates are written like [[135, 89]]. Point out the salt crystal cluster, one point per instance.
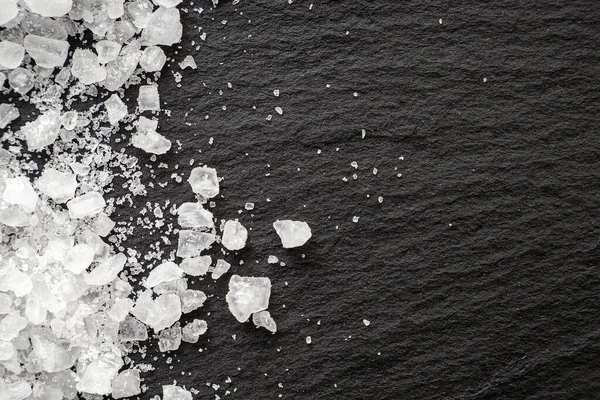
[[248, 295]]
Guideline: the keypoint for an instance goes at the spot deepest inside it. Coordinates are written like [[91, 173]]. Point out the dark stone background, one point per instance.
[[478, 272]]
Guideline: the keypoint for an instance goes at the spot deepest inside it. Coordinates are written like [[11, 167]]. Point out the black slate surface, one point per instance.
[[478, 272]]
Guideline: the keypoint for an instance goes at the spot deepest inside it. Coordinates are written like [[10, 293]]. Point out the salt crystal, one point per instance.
[[18, 390], [126, 384], [165, 272], [204, 181], [116, 109], [10, 326], [160, 313], [153, 59], [234, 235], [192, 300], [279, 110], [50, 8], [169, 339], [43, 131], [107, 271], [148, 98], [130, 329], [188, 62], [9, 11], [366, 322], [20, 192], [79, 258], [263, 319], [148, 139], [69, 120], [272, 260], [16, 281], [103, 225], [120, 309], [59, 186], [276, 92], [249, 206], [46, 52], [121, 69], [196, 266], [99, 374], [192, 331], [176, 286], [114, 8], [193, 215], [86, 67], [21, 80], [107, 50], [308, 340], [172, 392], [292, 233], [11, 54], [192, 243], [8, 113], [85, 205], [248, 295], [221, 268], [163, 28]]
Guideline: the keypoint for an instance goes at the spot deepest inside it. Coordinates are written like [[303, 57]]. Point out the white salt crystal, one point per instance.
[[10, 326], [19, 390], [99, 374], [126, 384], [107, 271], [188, 62], [9, 11], [132, 330], [116, 109], [193, 215], [121, 69], [43, 131], [221, 268], [153, 59], [248, 295], [169, 339], [172, 392], [85, 205], [176, 286], [292, 233], [264, 319], [50, 8], [191, 300], [107, 50], [79, 258], [7, 350], [69, 120], [5, 303], [196, 266], [16, 281], [366, 322], [165, 272], [148, 139], [20, 192], [114, 8], [192, 243], [272, 260], [249, 206], [276, 92], [160, 313], [21, 80], [279, 110], [234, 235], [163, 28], [103, 225], [204, 181], [8, 113], [192, 331], [59, 186], [120, 309], [46, 52], [86, 67], [11, 54], [308, 340], [148, 98]]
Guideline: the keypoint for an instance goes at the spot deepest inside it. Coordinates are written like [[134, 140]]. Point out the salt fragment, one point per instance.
[[193, 330], [193, 215], [248, 295], [192, 243], [165, 272], [11, 54], [196, 266], [234, 235], [172, 392], [148, 98], [126, 384], [264, 319], [221, 268], [59, 186], [292, 233], [46, 52], [188, 62], [85, 205], [204, 181]]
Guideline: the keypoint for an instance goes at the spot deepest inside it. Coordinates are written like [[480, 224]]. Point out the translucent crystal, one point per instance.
[[126, 384], [193, 330], [140, 12], [148, 98], [59, 186], [11, 54], [86, 68], [10, 326], [46, 52], [107, 50], [50, 8], [165, 272], [163, 28], [116, 109], [272, 260], [148, 139], [196, 266], [43, 131], [99, 374], [21, 80], [176, 286], [120, 309], [153, 59], [8, 113], [191, 300], [204, 181], [188, 62], [119, 70], [131, 330], [69, 120], [79, 258], [12, 279], [103, 225], [221, 268], [248, 295], [192, 243], [50, 354], [193, 215], [169, 339], [9, 11], [85, 205], [263, 319], [234, 235], [160, 313], [172, 392], [20, 192], [292, 233], [19, 390], [35, 24], [107, 271]]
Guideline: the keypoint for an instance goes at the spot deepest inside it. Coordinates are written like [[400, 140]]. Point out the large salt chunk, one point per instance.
[[248, 295], [193, 215], [126, 384], [103, 225], [292, 233], [120, 309], [196, 266], [8, 113], [263, 319], [140, 12], [50, 8], [192, 243], [172, 392], [221, 268], [50, 354], [169, 339], [85, 205], [191, 300], [165, 272], [19, 390], [119, 70], [10, 326], [153, 59], [20, 192], [132, 330], [116, 109], [114, 8], [21, 80], [107, 50], [160, 313], [177, 286], [148, 98], [46, 52], [204, 181], [59, 186], [43, 131], [9, 11], [148, 139], [234, 235], [86, 68], [99, 374], [163, 28], [16, 281], [11, 54], [193, 330], [107, 271]]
